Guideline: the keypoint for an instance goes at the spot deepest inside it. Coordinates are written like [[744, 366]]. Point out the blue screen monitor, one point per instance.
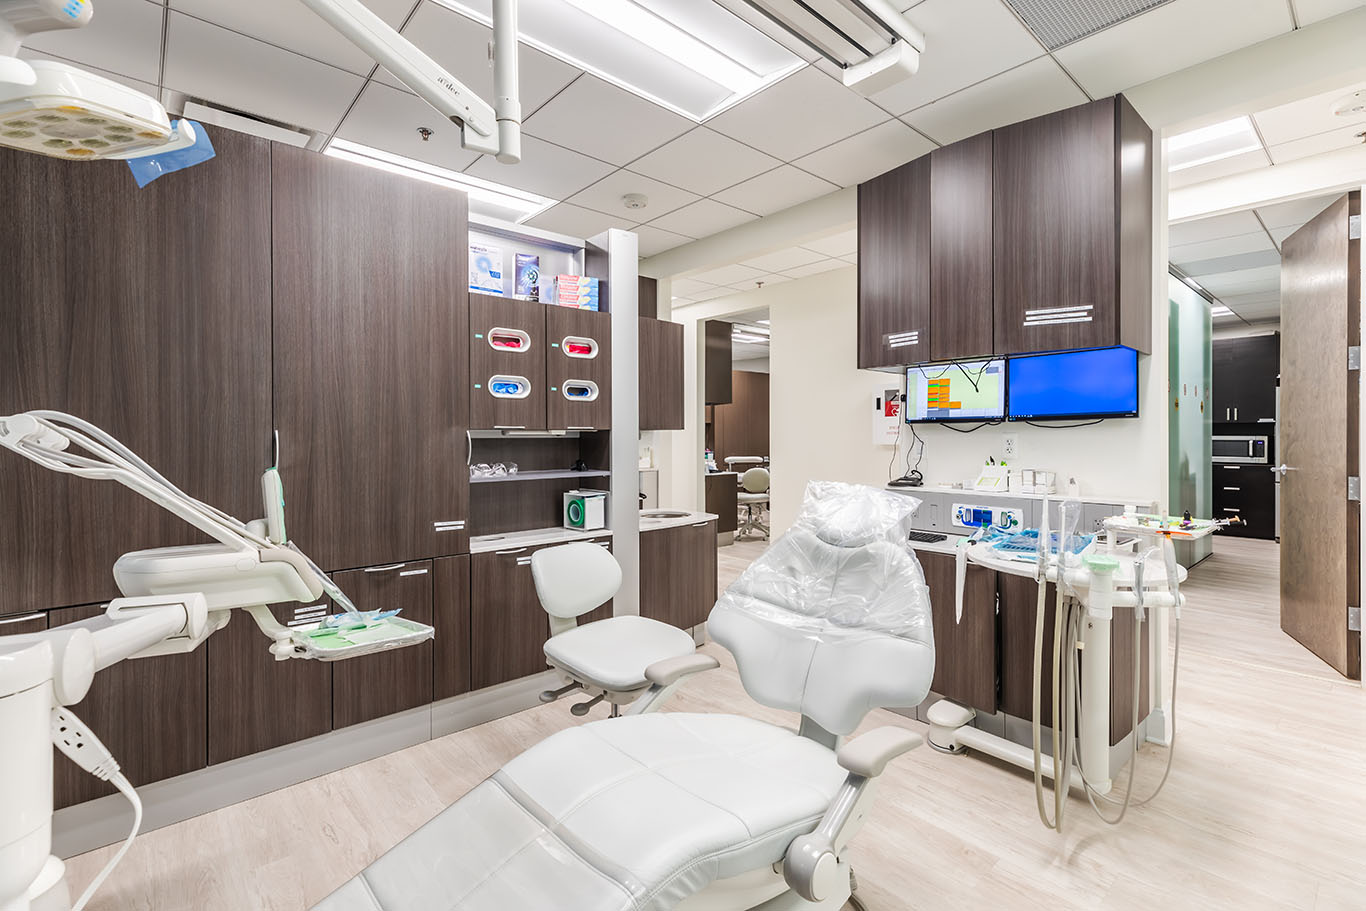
[[961, 391], [1098, 383]]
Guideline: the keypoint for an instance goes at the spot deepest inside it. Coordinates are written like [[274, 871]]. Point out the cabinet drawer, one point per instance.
[[578, 369], [376, 685], [507, 345]]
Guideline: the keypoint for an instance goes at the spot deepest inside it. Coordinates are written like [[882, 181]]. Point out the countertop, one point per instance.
[[651, 521], [483, 544], [1142, 502]]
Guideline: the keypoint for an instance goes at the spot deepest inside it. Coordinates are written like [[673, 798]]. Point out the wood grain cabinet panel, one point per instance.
[[661, 375], [722, 499], [717, 361], [964, 653], [567, 372], [370, 317], [961, 300], [257, 703], [135, 310], [894, 267], [490, 317], [149, 712], [508, 626], [451, 617], [373, 686], [678, 574]]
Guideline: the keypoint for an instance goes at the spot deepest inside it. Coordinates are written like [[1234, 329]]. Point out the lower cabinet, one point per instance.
[[722, 499], [148, 712], [451, 617], [1247, 492], [372, 686], [965, 654], [678, 574]]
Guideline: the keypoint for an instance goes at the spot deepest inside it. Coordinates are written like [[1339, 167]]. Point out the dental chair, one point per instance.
[[605, 659], [753, 499], [706, 812]]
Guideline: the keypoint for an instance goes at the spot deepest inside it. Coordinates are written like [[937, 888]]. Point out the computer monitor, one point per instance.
[[961, 391], [1096, 383]]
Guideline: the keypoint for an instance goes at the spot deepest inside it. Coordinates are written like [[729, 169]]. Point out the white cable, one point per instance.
[[126, 789]]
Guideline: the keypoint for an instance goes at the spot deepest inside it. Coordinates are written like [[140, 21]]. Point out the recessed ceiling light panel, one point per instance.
[[1212, 143]]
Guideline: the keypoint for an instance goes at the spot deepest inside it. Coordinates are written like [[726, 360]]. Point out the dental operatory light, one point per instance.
[[486, 197], [1212, 143]]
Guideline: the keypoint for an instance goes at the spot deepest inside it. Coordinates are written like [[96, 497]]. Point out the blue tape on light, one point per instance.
[[149, 167]]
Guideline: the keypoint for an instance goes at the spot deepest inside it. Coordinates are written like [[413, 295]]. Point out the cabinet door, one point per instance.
[[451, 613], [1225, 379], [1054, 229], [579, 381], [964, 653], [717, 361], [1019, 608], [961, 301], [139, 312], [722, 499], [257, 703], [894, 267], [507, 338], [1246, 492], [370, 313], [678, 574], [373, 686], [148, 712], [508, 625], [661, 375]]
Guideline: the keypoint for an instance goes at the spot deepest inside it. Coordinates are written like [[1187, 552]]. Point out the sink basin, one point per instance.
[[663, 514]]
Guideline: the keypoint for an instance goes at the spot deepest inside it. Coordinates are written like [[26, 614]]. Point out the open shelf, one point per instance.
[[542, 476]]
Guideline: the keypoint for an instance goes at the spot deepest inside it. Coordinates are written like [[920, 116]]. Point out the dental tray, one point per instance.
[[339, 643], [1026, 543]]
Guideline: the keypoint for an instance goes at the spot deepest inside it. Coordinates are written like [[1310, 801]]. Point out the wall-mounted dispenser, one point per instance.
[[579, 390], [512, 340], [579, 346], [503, 386]]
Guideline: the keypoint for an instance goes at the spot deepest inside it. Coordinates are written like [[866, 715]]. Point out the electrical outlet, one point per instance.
[[1011, 445]]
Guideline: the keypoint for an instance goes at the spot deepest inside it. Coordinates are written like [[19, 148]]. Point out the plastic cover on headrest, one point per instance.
[[851, 515]]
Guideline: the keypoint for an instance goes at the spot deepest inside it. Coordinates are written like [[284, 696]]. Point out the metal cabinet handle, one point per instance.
[[1235, 414], [1230, 509], [469, 449], [1233, 488], [385, 569], [506, 552], [509, 427], [21, 619], [701, 525]]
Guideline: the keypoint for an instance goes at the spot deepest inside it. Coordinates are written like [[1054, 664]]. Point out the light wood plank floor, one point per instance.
[[1265, 807]]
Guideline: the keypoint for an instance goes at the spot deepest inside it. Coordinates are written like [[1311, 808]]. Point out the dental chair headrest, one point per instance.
[[852, 515]]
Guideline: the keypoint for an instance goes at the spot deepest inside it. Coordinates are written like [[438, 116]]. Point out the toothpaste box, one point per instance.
[[578, 291]]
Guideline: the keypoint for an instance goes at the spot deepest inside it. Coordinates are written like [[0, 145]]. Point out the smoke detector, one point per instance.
[[1353, 105], [635, 200]]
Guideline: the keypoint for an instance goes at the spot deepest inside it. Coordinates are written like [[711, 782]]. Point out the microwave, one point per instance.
[[1249, 450]]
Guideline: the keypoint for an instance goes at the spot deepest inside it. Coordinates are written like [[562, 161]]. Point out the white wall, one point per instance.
[[751, 365]]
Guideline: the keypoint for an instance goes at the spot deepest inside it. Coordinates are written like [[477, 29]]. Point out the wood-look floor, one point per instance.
[[1266, 806]]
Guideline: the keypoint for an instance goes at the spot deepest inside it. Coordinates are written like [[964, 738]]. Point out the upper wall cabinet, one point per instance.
[[661, 374], [371, 314], [894, 267], [1072, 230], [961, 303], [508, 358], [578, 358], [716, 362]]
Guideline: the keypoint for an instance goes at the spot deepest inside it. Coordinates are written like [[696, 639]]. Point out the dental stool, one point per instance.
[[753, 499], [706, 812], [607, 658]]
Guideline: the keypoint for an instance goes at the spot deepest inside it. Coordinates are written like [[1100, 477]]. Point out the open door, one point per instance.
[[1319, 435]]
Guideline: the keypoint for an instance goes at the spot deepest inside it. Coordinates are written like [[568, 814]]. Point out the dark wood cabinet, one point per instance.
[[23, 624], [508, 626], [678, 574], [372, 686], [661, 375], [578, 356], [1072, 230], [647, 298], [716, 364], [965, 652], [741, 428], [256, 703], [1246, 492], [508, 339], [894, 267], [370, 310], [133, 309], [149, 712], [451, 618], [722, 499], [961, 300], [1246, 373]]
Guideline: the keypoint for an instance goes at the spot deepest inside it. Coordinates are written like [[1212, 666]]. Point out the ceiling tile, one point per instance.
[[1235, 263], [654, 241], [389, 119], [1280, 234], [686, 287], [836, 244], [145, 87], [1255, 242], [798, 115], [604, 121], [1168, 38], [1319, 143], [294, 26], [850, 258], [867, 154], [460, 44], [702, 219], [966, 41], [124, 37], [1309, 11], [713, 294], [825, 265], [1296, 212], [606, 194], [1224, 167], [1035, 88], [1232, 225], [704, 161], [576, 221], [1243, 281], [727, 275], [1306, 116], [779, 260], [221, 66], [545, 168], [779, 189]]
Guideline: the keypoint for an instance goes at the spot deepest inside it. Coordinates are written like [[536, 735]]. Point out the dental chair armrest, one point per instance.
[[671, 670], [868, 754]]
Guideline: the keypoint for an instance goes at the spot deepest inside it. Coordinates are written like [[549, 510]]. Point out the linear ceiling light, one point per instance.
[[1212, 143], [1220, 310], [486, 197]]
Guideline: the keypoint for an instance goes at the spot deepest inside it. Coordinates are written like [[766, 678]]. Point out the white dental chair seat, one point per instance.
[[612, 654], [630, 814]]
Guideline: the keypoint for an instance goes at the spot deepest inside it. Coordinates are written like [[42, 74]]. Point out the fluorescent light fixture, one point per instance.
[[762, 322], [1220, 310], [1192, 283], [751, 330], [749, 339], [486, 197], [1212, 143]]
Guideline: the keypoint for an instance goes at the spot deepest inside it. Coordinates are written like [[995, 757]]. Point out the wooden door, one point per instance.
[[373, 686], [1320, 313], [508, 626], [661, 375], [507, 338], [451, 617], [370, 318], [147, 312], [894, 267], [961, 302], [578, 354], [964, 653], [149, 713], [249, 710]]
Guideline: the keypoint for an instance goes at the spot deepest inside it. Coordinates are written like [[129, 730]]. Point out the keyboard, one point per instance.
[[927, 537]]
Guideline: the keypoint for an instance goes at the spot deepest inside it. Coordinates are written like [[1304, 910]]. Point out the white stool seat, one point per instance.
[[612, 654], [752, 497]]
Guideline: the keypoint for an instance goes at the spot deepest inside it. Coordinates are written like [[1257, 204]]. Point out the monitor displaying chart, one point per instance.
[[963, 391]]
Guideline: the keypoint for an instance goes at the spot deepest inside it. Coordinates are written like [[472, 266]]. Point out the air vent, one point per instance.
[[1060, 22], [247, 123]]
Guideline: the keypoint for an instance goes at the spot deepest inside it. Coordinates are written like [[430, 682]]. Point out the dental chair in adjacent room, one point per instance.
[[605, 659], [753, 499], [706, 812]]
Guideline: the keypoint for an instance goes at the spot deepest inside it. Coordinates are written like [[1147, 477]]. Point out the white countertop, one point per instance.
[[650, 521], [1141, 502], [483, 544]]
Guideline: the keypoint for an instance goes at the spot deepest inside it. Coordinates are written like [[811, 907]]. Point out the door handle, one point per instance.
[[1282, 469]]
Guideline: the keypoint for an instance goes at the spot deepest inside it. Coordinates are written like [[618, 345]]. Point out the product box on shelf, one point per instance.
[[579, 291]]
